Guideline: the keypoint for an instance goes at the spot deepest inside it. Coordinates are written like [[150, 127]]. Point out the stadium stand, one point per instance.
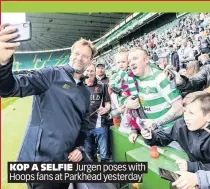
[[158, 39], [39, 60]]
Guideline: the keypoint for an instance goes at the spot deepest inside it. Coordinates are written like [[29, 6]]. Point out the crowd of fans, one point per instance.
[[178, 43], [160, 89]]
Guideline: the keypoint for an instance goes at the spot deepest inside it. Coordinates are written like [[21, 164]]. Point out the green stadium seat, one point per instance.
[[40, 60]]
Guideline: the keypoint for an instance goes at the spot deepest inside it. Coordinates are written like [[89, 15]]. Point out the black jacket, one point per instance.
[[154, 57], [195, 143], [58, 120], [200, 81], [175, 61], [205, 45]]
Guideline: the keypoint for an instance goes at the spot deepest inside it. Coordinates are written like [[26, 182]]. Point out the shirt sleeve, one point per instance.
[[21, 85], [106, 94], [167, 89]]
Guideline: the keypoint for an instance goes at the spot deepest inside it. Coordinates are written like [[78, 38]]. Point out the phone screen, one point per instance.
[[168, 175]]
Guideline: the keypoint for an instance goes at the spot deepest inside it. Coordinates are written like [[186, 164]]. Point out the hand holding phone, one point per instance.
[[132, 137], [7, 49], [170, 74], [146, 133], [23, 32]]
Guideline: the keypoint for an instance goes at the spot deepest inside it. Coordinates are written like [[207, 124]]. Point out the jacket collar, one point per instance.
[[100, 78], [95, 81], [70, 72], [199, 131]]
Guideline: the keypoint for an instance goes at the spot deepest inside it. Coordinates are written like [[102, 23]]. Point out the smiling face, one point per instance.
[[138, 60], [91, 72], [80, 57]]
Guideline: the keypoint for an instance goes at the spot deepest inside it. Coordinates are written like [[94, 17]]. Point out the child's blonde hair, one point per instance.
[[120, 50]]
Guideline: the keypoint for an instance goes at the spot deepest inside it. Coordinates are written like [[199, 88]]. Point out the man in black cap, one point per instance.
[[100, 73]]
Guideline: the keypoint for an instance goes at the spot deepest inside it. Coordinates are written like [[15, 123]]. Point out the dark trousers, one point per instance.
[[48, 185]]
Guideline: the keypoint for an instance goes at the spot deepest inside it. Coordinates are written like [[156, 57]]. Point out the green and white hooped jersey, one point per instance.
[[156, 94]]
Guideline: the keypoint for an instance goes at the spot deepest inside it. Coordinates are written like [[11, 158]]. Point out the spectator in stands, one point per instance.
[[174, 58], [163, 61], [205, 60], [204, 44], [153, 85], [193, 29], [198, 82], [196, 52], [154, 56], [58, 121], [200, 179], [99, 107], [182, 71], [192, 133], [192, 68], [190, 43], [100, 73], [186, 54]]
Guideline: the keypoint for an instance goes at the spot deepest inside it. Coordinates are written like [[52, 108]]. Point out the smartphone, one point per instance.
[[168, 175], [24, 32], [171, 73]]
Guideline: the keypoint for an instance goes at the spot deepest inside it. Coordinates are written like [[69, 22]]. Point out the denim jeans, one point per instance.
[[97, 137]]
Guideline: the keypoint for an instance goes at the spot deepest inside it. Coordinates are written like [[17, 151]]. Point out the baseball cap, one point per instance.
[[100, 63]]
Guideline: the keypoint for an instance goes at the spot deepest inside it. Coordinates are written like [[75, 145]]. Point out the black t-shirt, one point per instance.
[[98, 93]]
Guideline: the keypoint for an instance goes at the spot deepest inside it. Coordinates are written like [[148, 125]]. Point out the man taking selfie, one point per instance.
[[58, 121]]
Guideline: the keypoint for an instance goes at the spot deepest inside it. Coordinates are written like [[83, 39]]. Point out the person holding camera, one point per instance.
[[160, 102], [192, 133], [58, 121], [200, 179], [198, 82]]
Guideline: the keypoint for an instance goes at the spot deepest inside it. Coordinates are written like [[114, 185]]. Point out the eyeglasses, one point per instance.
[[84, 56]]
